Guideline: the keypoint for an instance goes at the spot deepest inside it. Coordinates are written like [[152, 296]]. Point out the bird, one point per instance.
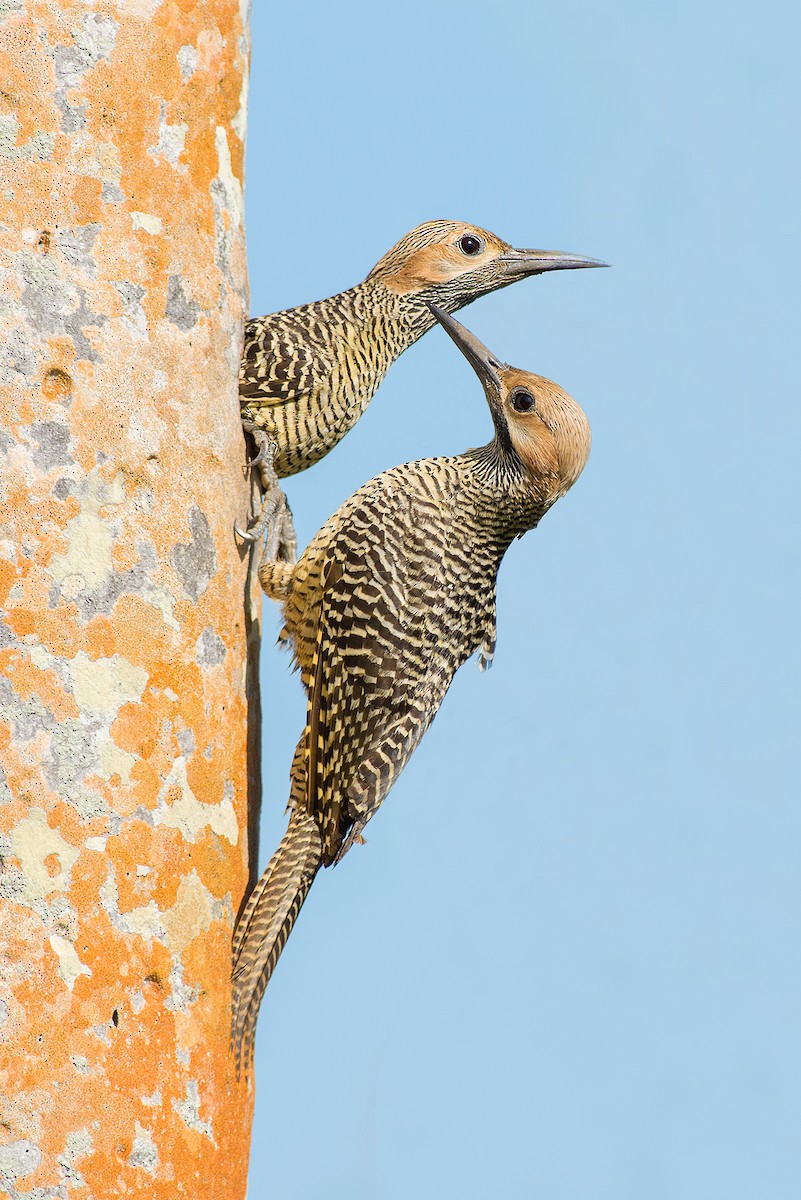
[[307, 374], [391, 596]]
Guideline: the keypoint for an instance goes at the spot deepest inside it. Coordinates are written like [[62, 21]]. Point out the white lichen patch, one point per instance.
[[103, 685], [134, 317], [146, 221], [101, 162], [69, 965], [181, 998], [72, 753], [194, 910], [18, 1159], [38, 147], [189, 1110], [40, 657], [78, 1144], [164, 601], [72, 586], [172, 140], [115, 761], [239, 123], [187, 61], [142, 10], [179, 808], [234, 197], [97, 38], [146, 921], [32, 842], [70, 1174], [90, 537], [144, 1153], [192, 913]]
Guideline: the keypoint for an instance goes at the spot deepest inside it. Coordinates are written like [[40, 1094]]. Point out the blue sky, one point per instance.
[[566, 964]]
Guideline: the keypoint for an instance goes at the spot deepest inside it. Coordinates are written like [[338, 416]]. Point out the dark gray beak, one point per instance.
[[483, 362], [517, 264]]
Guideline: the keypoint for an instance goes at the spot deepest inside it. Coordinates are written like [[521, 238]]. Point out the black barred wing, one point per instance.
[[284, 355], [382, 662]]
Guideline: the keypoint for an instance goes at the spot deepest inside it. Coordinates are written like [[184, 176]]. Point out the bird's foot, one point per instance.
[[274, 525], [266, 450], [274, 521]]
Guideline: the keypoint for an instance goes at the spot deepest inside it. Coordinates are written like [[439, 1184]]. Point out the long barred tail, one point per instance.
[[266, 923]]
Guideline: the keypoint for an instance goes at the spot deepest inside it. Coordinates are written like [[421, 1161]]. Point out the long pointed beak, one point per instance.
[[519, 263], [482, 360]]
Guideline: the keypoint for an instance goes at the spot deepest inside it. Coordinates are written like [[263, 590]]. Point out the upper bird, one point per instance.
[[308, 373], [392, 595]]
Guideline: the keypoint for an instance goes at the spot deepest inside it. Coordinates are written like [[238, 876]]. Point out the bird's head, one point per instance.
[[539, 429], [451, 263]]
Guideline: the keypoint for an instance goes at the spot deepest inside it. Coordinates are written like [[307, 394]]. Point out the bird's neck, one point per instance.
[[399, 319], [515, 503]]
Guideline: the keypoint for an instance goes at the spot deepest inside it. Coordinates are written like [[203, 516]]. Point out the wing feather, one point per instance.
[[282, 358], [375, 685]]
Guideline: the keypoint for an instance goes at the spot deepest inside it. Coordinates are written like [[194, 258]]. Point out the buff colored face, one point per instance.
[[544, 426], [438, 254], [547, 428]]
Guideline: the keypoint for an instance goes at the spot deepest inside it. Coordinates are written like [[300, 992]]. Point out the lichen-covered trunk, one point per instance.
[[129, 635]]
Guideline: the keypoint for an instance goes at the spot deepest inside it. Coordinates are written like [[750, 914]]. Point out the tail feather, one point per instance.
[[266, 923]]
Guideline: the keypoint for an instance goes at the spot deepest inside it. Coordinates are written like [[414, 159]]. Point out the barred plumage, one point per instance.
[[392, 595], [308, 373], [267, 921]]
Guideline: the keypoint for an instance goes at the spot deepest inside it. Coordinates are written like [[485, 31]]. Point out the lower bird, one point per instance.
[[393, 594]]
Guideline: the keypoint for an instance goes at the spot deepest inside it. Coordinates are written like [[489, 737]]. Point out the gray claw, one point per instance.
[[244, 534], [254, 462]]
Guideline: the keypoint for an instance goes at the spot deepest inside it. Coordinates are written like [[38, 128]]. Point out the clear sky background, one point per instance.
[[566, 964]]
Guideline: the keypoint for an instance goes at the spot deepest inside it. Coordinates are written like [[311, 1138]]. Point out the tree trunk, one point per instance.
[[129, 634]]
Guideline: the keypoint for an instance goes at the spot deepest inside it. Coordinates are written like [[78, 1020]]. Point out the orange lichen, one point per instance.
[[125, 753], [56, 383], [29, 680]]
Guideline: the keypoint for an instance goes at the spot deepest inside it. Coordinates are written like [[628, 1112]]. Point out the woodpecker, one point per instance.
[[393, 594], [308, 373]]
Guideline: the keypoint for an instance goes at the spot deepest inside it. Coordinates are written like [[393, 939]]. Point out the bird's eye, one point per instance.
[[523, 402], [470, 244]]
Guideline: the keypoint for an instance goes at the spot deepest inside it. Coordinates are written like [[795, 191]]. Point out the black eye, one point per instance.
[[470, 244], [523, 402]]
